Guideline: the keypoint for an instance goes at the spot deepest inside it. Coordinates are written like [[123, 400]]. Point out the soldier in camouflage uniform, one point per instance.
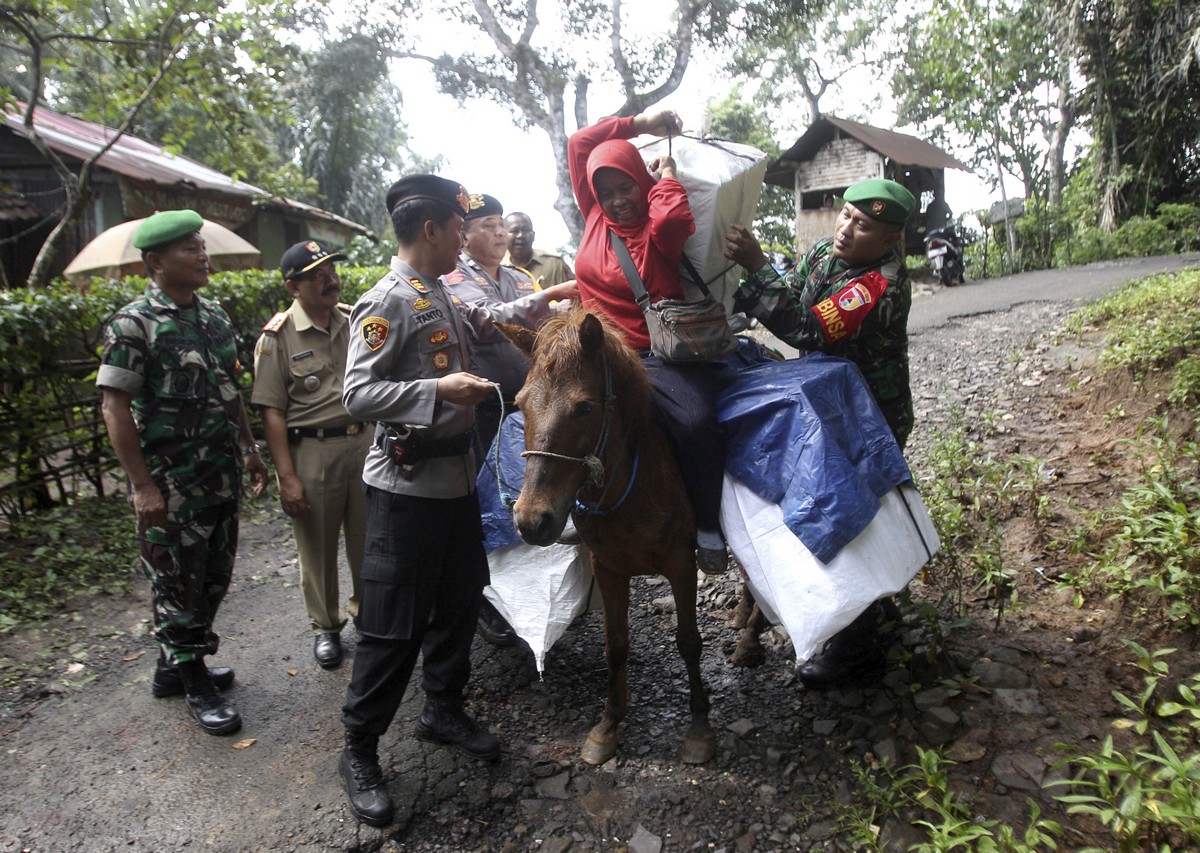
[[175, 417], [848, 297]]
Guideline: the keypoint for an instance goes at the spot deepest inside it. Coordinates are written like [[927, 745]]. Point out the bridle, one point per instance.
[[593, 462]]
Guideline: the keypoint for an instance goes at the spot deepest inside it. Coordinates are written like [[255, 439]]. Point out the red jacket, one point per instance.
[[655, 242]]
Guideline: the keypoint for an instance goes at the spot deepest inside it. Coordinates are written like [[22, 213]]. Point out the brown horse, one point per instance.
[[594, 454]]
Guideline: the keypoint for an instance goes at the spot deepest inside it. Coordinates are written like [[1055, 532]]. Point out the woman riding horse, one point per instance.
[[617, 193]]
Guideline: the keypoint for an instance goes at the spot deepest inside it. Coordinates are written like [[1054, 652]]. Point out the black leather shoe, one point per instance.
[[327, 649], [213, 712], [366, 792], [167, 681], [444, 721], [493, 627], [712, 561]]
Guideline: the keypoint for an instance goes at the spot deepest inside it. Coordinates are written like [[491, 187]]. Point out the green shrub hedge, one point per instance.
[[50, 345]]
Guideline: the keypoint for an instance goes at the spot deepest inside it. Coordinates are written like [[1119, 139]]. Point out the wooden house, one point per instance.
[[835, 153], [134, 178]]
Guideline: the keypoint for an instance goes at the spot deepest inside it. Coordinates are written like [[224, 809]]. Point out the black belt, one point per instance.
[[408, 447], [322, 433]]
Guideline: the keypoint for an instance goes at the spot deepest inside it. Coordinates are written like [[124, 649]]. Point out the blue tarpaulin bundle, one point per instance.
[[807, 434]]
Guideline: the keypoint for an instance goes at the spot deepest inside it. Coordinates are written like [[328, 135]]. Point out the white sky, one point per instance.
[[483, 150]]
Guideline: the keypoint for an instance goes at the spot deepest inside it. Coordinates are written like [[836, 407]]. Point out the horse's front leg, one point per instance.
[[699, 741], [601, 743]]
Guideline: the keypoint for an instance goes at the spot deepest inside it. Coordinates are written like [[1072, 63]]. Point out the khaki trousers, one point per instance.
[[331, 471]]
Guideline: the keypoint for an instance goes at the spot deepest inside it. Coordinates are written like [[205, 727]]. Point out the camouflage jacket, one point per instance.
[[880, 344], [181, 366]]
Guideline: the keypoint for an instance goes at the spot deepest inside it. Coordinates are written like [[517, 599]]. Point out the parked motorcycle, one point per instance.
[[943, 250]]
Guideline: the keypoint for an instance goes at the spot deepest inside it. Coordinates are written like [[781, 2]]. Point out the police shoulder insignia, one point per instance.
[[276, 323], [421, 303], [455, 277], [418, 285], [375, 332]]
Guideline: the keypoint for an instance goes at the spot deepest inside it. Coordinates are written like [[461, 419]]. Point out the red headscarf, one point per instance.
[[620, 154], [655, 240]]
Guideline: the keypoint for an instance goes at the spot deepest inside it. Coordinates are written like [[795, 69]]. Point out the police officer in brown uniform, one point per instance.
[[410, 369], [317, 447]]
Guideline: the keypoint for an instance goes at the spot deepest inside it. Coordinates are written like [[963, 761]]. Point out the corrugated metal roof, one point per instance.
[[144, 161], [899, 147]]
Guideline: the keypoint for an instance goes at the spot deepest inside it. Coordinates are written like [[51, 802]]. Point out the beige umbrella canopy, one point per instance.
[[112, 255]]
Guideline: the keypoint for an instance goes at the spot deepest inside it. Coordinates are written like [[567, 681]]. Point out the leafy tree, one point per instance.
[[343, 128], [535, 66], [196, 76], [1141, 61], [799, 50]]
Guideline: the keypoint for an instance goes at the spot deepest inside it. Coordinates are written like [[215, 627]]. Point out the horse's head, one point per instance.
[[579, 368]]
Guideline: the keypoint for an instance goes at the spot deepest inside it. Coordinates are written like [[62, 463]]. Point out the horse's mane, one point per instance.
[[558, 352]]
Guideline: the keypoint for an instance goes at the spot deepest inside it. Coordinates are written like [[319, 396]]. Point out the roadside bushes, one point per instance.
[[52, 438]]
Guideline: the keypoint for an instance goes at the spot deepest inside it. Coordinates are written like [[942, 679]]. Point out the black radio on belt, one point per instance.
[[400, 447], [407, 447]]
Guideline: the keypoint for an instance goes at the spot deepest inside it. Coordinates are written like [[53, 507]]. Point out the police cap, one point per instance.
[[165, 226], [482, 205], [881, 199], [429, 188], [302, 257]]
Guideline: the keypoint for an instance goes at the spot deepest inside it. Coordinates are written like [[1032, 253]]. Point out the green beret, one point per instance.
[[882, 199], [165, 226]]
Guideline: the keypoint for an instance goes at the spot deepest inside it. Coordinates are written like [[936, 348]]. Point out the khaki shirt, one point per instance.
[[299, 368], [546, 269]]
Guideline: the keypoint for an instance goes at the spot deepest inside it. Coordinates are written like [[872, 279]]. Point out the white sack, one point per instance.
[[723, 182], [539, 591], [814, 600]]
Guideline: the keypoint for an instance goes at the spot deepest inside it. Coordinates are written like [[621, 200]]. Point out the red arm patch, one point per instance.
[[841, 314]]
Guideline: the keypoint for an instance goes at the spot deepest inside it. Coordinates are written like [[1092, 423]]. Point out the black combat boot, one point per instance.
[[856, 652], [493, 627], [445, 721], [214, 713], [168, 682], [366, 792]]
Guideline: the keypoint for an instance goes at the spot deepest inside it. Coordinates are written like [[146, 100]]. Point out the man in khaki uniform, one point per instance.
[[317, 447], [544, 268]]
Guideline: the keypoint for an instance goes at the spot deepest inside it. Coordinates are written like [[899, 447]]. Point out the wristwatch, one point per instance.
[[252, 449]]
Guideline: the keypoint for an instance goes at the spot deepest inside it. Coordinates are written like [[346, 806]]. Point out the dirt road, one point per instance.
[[91, 762]]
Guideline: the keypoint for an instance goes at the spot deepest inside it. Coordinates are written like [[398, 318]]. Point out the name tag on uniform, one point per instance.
[[302, 355]]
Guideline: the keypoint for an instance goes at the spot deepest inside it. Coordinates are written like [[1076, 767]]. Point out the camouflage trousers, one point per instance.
[[189, 562]]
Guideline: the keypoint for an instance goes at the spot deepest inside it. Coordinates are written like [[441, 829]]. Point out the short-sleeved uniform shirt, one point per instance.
[[181, 366], [879, 346], [547, 269], [495, 359], [299, 368], [406, 333]]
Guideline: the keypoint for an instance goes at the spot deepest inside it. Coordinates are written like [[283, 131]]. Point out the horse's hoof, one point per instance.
[[748, 656], [598, 748], [698, 747]]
